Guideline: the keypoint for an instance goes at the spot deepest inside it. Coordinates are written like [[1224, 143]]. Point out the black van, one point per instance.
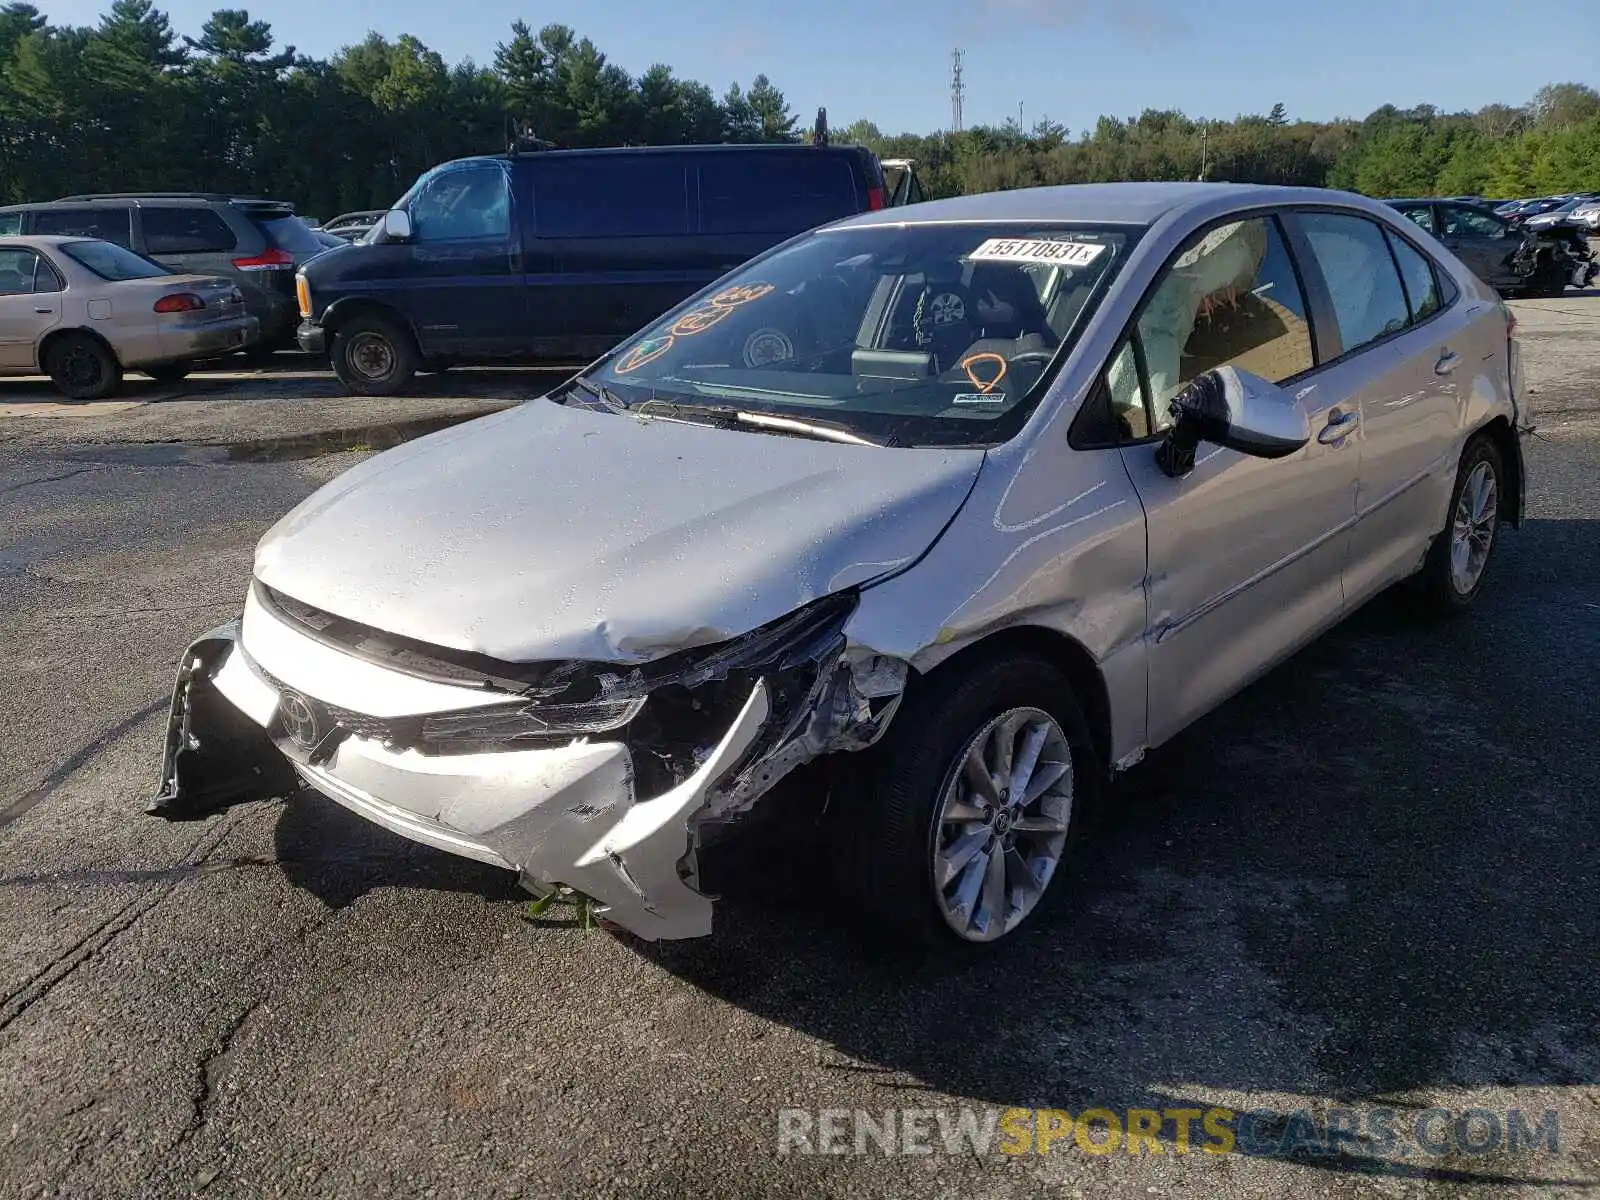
[[560, 254]]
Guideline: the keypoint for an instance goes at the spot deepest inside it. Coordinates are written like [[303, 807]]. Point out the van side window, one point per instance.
[[610, 195], [193, 230], [468, 203], [774, 193], [108, 223]]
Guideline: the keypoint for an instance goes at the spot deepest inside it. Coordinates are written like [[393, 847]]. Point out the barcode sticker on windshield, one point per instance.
[[1044, 250]]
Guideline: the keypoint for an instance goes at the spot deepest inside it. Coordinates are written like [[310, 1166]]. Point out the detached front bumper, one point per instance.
[[555, 816]]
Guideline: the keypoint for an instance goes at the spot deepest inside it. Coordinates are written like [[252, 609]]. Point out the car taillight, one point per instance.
[[268, 260], [874, 199], [180, 302]]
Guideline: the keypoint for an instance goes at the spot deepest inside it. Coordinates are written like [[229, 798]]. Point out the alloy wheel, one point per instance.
[[1002, 824]]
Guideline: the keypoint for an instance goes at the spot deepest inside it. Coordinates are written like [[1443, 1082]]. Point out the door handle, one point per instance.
[[1340, 426], [44, 312], [1447, 362]]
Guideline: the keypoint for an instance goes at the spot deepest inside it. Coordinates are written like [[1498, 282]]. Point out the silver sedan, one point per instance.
[[83, 310], [933, 517]]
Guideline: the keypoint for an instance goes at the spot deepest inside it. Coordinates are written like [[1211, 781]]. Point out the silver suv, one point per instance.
[[257, 243]]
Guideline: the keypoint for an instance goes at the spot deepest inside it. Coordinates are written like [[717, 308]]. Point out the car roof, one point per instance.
[[1136, 204], [797, 148]]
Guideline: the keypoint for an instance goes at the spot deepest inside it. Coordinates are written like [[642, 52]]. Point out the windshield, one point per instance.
[[289, 233], [911, 335], [111, 262]]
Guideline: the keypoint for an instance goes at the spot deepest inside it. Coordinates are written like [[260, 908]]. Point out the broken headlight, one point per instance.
[[504, 727], [672, 711]]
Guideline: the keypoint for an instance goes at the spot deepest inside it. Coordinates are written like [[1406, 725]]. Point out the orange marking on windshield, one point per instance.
[[697, 320]]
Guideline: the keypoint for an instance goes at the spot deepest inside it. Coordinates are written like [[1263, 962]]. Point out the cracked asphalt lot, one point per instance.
[[1368, 881]]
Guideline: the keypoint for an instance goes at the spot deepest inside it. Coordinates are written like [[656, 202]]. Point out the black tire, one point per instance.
[[888, 815], [82, 366], [1438, 586], [374, 356], [169, 372]]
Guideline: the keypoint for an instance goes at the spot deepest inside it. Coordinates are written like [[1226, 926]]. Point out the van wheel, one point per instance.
[[373, 356], [82, 367], [958, 836]]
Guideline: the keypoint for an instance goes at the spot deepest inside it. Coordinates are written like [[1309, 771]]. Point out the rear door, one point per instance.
[[30, 306], [610, 247], [1398, 356]]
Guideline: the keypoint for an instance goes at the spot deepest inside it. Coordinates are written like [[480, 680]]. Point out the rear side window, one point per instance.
[[289, 233], [1420, 279], [185, 231], [774, 193], [1353, 252], [18, 271], [107, 224], [610, 196], [112, 262]]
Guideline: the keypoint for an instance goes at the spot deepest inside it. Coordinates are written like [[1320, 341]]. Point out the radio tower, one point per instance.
[[957, 88]]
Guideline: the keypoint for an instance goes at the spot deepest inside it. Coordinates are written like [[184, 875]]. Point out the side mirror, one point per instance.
[[1235, 409], [397, 225]]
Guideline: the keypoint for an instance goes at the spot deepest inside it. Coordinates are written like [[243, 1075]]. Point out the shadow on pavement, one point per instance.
[[1369, 874]]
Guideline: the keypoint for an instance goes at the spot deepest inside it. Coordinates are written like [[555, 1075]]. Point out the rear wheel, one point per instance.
[[169, 372], [82, 367], [1458, 560], [373, 356], [962, 826]]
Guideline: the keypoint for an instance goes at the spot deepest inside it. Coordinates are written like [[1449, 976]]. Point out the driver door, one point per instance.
[[1482, 241], [1245, 554]]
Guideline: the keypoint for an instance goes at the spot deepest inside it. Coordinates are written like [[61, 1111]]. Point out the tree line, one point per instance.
[[130, 104]]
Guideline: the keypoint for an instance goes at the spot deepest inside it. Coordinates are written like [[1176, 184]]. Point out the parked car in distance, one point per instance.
[[934, 516], [351, 226], [83, 311], [256, 243], [559, 254], [1513, 260]]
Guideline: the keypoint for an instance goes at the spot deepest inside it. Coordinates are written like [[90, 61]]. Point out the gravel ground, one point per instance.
[[1366, 883]]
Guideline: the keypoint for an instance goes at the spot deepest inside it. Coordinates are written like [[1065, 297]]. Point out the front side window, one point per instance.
[[1421, 214], [18, 271], [191, 230], [1467, 222], [10, 224], [106, 223], [1363, 282], [112, 263], [921, 334], [1231, 296], [460, 204]]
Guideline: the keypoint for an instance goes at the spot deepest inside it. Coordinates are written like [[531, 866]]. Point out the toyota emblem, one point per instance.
[[299, 720]]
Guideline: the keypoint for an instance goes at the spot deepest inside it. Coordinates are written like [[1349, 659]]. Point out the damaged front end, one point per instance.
[[599, 777]]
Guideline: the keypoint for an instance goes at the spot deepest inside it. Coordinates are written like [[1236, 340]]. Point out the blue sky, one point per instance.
[[1070, 60]]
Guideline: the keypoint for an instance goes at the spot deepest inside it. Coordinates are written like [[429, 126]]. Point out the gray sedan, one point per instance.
[[83, 310], [934, 518]]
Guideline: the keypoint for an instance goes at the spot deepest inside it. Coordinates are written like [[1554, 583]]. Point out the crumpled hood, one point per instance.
[[546, 532]]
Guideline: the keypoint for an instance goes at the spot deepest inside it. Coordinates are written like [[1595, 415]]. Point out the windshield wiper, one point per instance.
[[608, 399], [823, 431]]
